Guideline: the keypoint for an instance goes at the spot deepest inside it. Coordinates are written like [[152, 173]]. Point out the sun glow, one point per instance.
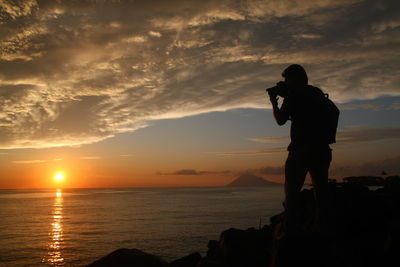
[[59, 177]]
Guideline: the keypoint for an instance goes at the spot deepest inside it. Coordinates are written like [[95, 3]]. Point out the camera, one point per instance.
[[280, 89]]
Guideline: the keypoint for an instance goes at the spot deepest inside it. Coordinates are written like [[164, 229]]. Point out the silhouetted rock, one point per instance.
[[250, 180], [361, 232], [129, 257], [392, 184], [214, 251], [246, 247], [365, 180], [191, 260]]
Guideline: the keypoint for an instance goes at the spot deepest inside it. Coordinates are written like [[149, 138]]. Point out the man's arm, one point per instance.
[[281, 115]]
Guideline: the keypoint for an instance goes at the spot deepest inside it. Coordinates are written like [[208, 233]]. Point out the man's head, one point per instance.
[[295, 76]]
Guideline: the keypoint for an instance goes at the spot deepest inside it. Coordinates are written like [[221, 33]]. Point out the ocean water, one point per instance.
[[73, 227]]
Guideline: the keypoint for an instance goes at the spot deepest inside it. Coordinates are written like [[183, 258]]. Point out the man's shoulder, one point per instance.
[[315, 90]]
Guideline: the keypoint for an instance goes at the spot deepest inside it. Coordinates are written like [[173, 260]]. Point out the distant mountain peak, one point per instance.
[[249, 179]]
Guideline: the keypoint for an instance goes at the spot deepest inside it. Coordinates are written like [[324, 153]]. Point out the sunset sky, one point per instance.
[[172, 92]]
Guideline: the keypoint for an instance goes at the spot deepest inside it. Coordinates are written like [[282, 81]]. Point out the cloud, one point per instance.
[[390, 165], [307, 36], [272, 140], [344, 136], [395, 106], [34, 161], [90, 158], [366, 134], [278, 8], [77, 72], [252, 152], [192, 172], [370, 106], [14, 9]]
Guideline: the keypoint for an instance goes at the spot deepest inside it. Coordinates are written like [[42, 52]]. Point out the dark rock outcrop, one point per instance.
[[366, 180], [191, 260], [363, 230], [129, 257]]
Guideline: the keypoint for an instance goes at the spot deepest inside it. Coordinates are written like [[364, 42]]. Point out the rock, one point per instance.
[[127, 258], [361, 231], [302, 250], [392, 184], [246, 247], [214, 251], [365, 180], [191, 260]]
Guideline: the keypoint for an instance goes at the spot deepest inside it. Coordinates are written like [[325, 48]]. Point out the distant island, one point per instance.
[[251, 180]]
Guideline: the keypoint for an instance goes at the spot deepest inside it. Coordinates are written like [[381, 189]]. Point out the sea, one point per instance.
[[74, 227]]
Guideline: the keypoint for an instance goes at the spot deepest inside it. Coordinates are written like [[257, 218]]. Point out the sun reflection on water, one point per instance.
[[54, 256]]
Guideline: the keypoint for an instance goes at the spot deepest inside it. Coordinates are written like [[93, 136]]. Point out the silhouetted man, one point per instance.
[[310, 135]]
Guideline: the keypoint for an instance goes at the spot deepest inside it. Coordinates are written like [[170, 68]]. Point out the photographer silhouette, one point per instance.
[[313, 127]]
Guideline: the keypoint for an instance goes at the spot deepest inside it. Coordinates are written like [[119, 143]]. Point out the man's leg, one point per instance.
[[319, 168], [295, 172]]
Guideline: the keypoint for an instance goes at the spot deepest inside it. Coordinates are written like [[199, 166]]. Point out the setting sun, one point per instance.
[[59, 177]]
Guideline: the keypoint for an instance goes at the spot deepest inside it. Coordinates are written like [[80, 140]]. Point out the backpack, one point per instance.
[[330, 114], [314, 117]]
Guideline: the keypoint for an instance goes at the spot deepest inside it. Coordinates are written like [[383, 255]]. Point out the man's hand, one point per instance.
[[280, 116], [274, 100]]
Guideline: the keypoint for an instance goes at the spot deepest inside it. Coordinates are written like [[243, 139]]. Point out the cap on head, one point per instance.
[[295, 73]]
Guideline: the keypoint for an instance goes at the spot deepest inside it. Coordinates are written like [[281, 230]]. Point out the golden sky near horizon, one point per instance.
[[171, 93]]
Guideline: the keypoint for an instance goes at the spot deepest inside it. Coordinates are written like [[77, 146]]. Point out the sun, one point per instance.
[[59, 177]]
